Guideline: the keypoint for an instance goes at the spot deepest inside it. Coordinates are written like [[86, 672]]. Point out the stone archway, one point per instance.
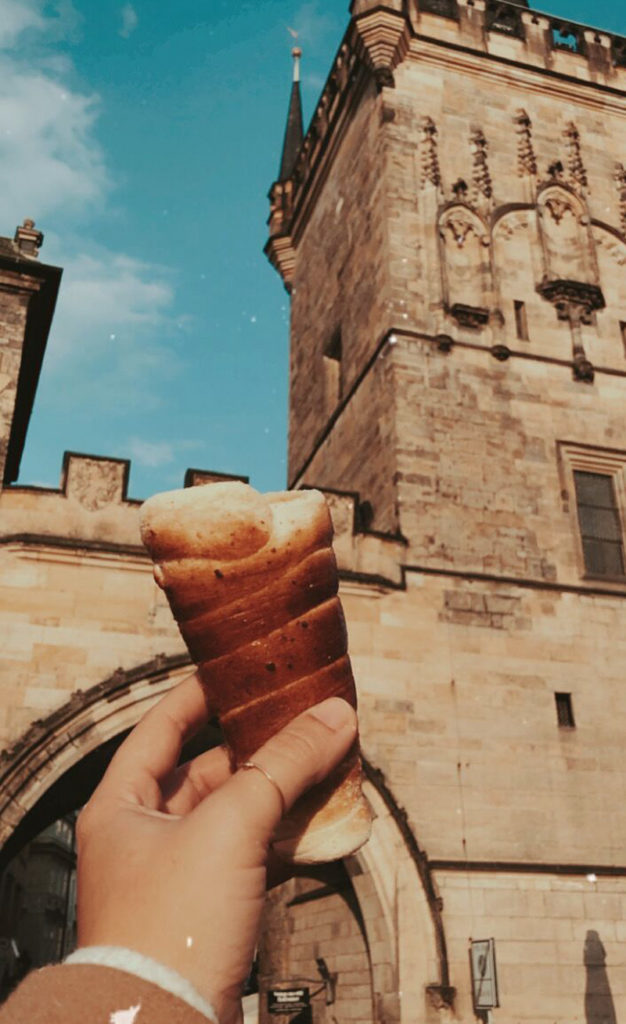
[[56, 764], [392, 967]]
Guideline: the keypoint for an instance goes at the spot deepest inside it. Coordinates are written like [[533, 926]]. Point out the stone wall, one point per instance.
[[77, 595]]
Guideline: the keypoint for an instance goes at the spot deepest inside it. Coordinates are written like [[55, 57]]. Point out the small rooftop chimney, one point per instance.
[[28, 239]]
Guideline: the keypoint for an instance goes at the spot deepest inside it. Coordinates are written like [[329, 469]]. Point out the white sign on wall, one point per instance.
[[484, 978]]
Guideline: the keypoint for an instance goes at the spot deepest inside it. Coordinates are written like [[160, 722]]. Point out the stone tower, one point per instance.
[[453, 237]]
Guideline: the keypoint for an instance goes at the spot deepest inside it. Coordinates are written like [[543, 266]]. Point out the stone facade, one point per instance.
[[453, 240], [456, 218]]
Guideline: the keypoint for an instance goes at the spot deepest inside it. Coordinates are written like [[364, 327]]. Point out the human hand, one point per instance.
[[172, 861]]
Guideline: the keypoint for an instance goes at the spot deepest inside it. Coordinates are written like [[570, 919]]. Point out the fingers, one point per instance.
[[154, 745], [303, 753], [195, 780]]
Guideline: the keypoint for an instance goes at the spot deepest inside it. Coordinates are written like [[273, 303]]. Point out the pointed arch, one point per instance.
[[565, 233], [465, 249], [96, 719]]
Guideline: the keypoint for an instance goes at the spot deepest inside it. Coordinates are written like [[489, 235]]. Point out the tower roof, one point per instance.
[[294, 132]]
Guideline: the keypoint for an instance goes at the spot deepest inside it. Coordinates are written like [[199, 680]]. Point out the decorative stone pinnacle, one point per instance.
[[296, 53], [28, 239]]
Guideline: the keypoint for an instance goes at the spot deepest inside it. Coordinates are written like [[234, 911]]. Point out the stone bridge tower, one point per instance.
[[453, 236]]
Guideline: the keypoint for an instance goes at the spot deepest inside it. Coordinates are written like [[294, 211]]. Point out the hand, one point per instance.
[[172, 861]]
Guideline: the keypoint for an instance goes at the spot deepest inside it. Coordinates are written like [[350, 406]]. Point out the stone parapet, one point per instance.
[[362, 553]]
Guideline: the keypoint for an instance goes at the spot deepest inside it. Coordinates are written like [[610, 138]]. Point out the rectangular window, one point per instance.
[[564, 711], [600, 525], [332, 370], [622, 327], [521, 321]]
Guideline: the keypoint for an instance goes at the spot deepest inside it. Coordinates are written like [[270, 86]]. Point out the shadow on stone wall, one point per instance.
[[599, 1008]]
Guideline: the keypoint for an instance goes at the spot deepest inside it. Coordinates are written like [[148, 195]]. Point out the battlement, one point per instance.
[[381, 36], [90, 507], [91, 510]]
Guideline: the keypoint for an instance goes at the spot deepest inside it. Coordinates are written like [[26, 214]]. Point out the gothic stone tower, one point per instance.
[[452, 232]]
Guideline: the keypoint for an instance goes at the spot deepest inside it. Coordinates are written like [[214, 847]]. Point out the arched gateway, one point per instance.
[[381, 930]]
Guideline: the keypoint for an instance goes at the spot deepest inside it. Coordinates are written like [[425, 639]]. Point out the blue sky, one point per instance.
[[143, 138]]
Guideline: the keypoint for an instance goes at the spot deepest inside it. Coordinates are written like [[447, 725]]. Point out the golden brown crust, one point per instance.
[[252, 581]]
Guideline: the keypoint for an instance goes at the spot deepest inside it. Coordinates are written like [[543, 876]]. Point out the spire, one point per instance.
[[294, 132]]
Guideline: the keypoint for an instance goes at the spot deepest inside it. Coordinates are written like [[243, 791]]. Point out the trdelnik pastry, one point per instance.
[[252, 581]]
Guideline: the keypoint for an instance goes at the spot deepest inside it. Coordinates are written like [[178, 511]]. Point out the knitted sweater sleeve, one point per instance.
[[76, 993]]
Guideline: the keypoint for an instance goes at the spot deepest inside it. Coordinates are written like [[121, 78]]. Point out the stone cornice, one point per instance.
[[503, 71]]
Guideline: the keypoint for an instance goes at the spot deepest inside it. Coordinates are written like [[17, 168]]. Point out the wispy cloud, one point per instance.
[[158, 453], [151, 453], [130, 20], [115, 332], [108, 300], [58, 19], [16, 17], [50, 159], [311, 23], [115, 329]]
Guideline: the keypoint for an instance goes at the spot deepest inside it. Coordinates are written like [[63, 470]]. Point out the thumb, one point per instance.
[[299, 756]]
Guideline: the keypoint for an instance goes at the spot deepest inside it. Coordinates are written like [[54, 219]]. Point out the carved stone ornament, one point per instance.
[[556, 171], [460, 190], [459, 228], [431, 172], [501, 353], [582, 369], [620, 178], [558, 206], [573, 300], [385, 37], [576, 168], [481, 178], [526, 160], [469, 316]]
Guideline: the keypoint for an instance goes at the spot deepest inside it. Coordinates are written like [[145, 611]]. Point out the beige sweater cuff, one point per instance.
[[147, 969]]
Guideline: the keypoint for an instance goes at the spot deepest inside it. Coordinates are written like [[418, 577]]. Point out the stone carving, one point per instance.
[[573, 300], [502, 17], [459, 227], [460, 190], [620, 178], [385, 37], [95, 483], [576, 167], [559, 205], [481, 178], [568, 249], [556, 171], [465, 265], [582, 369], [431, 173], [526, 160], [469, 316], [501, 352], [614, 247]]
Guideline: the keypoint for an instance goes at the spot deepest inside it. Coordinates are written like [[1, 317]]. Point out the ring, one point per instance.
[[249, 765]]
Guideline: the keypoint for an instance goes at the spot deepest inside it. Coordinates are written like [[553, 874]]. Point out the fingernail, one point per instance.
[[335, 713]]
